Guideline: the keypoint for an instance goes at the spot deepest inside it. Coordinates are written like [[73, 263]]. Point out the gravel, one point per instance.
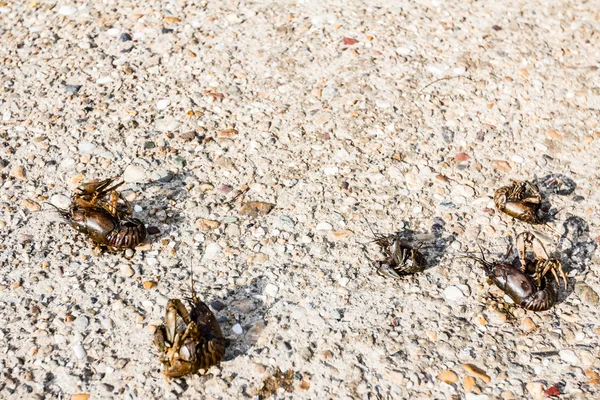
[[332, 123]]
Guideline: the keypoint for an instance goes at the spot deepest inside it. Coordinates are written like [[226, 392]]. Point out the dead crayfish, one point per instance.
[[99, 212], [528, 286], [520, 200], [401, 258], [199, 345]]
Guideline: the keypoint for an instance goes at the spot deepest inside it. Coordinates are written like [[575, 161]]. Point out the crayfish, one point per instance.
[[198, 345], [402, 259], [520, 200], [528, 286], [100, 212]]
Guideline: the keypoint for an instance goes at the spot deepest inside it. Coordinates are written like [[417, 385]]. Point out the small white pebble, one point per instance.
[[163, 104], [569, 356], [271, 290], [134, 173], [237, 329], [113, 32], [324, 226], [67, 10], [103, 80], [151, 261], [330, 170], [79, 351], [517, 159], [60, 201], [126, 270], [453, 293], [213, 250], [60, 339]]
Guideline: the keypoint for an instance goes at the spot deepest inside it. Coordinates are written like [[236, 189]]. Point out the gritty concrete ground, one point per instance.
[[404, 114]]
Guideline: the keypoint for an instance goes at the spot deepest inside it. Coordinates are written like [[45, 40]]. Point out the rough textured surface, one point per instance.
[[407, 114]]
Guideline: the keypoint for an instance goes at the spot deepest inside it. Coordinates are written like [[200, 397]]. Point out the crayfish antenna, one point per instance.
[[194, 298], [486, 265], [376, 238], [64, 213]]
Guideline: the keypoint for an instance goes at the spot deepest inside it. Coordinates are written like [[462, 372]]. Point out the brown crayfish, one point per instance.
[[520, 200], [100, 212], [528, 286], [198, 345]]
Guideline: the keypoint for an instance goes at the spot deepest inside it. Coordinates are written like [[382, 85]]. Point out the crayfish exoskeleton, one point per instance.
[[104, 216], [528, 286], [520, 200], [401, 258], [199, 345]]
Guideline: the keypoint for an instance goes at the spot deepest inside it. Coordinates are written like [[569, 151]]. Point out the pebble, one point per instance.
[[284, 223], [271, 290], [453, 293], [324, 226], [468, 383], [167, 124], [473, 396], [60, 339], [103, 80], [206, 225], [68, 163], [72, 89], [134, 173], [254, 334], [227, 133], [81, 322], [31, 205], [299, 313], [148, 284], [107, 323], [501, 165], [125, 37], [569, 356], [237, 329], [256, 208], [67, 10], [243, 306], [162, 176], [593, 377], [517, 159], [587, 294], [79, 351], [460, 157], [126, 270], [163, 104], [85, 147], [330, 170], [212, 251], [17, 172], [536, 390], [80, 396], [322, 118], [528, 325], [448, 376], [552, 134], [477, 372]]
